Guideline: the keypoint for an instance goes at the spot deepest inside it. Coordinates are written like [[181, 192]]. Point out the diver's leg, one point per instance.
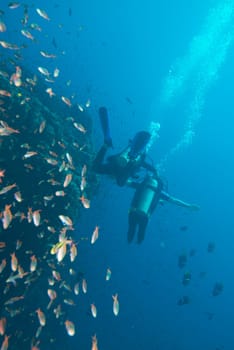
[[132, 223], [143, 221]]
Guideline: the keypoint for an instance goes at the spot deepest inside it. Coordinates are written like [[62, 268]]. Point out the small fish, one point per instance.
[[14, 262], [66, 101], [5, 130], [2, 325], [60, 193], [36, 217], [42, 126], [69, 302], [13, 300], [84, 286], [83, 183], [50, 92], [85, 202], [56, 275], [43, 14], [70, 328], [13, 5], [41, 317], [7, 188], [115, 304], [80, 127], [62, 251], [47, 55], [33, 264], [73, 252], [2, 265], [51, 161], [12, 278], [95, 235], [5, 93], [29, 154], [76, 289], [84, 170], [56, 73], [52, 295], [35, 27], [18, 244], [27, 34], [88, 104], [5, 343], [30, 215], [57, 311], [2, 27], [108, 274], [7, 216], [18, 197], [80, 108], [93, 310], [43, 71], [66, 220], [94, 343], [9, 46], [67, 180]]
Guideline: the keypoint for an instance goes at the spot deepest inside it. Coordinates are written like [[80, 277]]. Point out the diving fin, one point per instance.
[[103, 115], [139, 143]]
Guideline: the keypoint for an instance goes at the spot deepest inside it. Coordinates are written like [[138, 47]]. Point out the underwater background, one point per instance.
[[150, 63]]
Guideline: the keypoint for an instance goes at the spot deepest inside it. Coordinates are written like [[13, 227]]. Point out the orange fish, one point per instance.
[[2, 265], [41, 317], [14, 262], [73, 252], [67, 180], [5, 343], [50, 92], [94, 342], [2, 27], [5, 93], [36, 217], [70, 328], [2, 325], [93, 310], [85, 202], [7, 216]]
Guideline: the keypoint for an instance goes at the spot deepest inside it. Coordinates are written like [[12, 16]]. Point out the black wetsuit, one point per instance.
[[120, 167]]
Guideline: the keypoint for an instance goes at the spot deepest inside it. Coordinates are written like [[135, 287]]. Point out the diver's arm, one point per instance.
[[149, 167], [170, 199], [98, 165]]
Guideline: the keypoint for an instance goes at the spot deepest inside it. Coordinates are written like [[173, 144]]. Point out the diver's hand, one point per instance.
[[194, 207]]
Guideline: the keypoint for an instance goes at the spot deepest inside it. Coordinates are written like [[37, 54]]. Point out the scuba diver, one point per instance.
[[147, 195], [124, 165]]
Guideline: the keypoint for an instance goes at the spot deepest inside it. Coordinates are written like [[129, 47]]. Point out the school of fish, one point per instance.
[[45, 183]]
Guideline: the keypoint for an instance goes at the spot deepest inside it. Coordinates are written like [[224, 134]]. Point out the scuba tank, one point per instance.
[[147, 196]]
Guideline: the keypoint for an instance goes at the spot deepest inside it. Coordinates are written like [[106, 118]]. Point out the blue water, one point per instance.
[[116, 52]]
